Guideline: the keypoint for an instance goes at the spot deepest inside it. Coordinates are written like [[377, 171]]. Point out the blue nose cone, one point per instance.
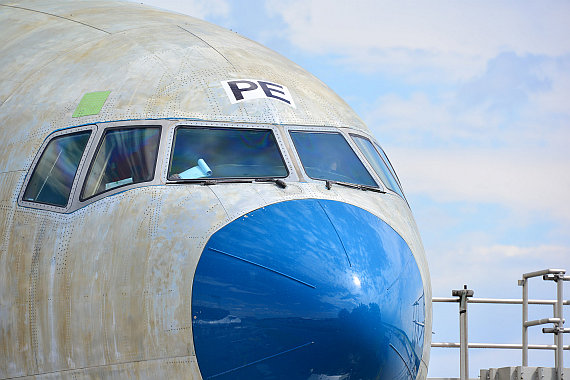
[[308, 289]]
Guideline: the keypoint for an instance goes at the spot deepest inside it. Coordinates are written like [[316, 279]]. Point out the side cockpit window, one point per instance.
[[124, 156], [52, 179], [327, 156], [202, 152], [381, 165]]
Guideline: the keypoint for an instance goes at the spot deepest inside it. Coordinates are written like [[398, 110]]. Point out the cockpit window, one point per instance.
[[53, 176], [201, 152], [387, 161], [379, 164], [327, 156], [125, 156]]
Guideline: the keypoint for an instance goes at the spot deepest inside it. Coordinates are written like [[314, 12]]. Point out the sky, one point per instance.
[[471, 101]]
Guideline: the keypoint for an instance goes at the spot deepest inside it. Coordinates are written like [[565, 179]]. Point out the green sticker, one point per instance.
[[91, 103]]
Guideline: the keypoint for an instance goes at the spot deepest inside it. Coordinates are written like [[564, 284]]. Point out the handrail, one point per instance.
[[556, 275], [543, 272], [508, 346], [506, 301], [464, 297], [542, 321]]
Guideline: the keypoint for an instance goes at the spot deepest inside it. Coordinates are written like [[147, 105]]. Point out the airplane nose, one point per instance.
[[308, 289]]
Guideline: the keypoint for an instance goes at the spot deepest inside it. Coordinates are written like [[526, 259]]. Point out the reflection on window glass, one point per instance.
[[124, 157], [380, 167], [53, 176], [387, 161], [328, 156], [225, 153]]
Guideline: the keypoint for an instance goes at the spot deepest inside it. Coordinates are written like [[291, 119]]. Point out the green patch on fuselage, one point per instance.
[[91, 103]]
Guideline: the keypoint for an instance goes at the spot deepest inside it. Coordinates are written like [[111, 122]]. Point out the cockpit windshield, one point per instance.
[[327, 156], [202, 152]]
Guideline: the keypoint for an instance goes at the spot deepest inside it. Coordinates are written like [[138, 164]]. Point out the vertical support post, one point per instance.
[[463, 337], [560, 335], [557, 275], [524, 285], [555, 336]]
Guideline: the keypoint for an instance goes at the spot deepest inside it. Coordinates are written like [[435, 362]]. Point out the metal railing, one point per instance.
[[464, 297]]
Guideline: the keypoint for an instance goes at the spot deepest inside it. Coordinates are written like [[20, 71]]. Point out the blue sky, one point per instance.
[[471, 100]]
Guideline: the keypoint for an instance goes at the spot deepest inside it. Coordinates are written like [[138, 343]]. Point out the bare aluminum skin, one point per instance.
[[76, 299]]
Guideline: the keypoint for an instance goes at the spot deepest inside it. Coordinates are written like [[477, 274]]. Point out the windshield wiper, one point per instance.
[[329, 183], [211, 181], [214, 181], [278, 181]]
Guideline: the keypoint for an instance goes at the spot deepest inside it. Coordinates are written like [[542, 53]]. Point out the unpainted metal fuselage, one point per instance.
[[176, 280]]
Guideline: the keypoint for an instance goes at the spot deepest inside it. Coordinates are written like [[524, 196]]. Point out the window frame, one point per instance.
[[283, 152], [389, 166], [93, 153], [78, 174], [328, 129], [388, 163], [167, 128]]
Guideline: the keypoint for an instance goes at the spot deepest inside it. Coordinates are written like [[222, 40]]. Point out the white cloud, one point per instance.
[[521, 106], [196, 8], [501, 137], [524, 181], [508, 251], [489, 268], [458, 37], [555, 100]]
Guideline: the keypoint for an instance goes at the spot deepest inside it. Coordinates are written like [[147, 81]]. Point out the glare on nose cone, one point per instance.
[[307, 289]]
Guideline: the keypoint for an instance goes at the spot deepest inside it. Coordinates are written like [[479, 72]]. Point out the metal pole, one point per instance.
[[523, 283], [502, 301], [558, 329], [559, 353], [463, 338], [464, 370], [554, 336], [507, 346]]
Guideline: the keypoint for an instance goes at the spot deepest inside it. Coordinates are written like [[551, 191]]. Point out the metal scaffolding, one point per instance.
[[465, 296]]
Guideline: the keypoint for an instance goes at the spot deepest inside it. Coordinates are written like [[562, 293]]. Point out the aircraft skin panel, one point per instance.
[[97, 294], [183, 368], [153, 82], [111, 17], [27, 49], [103, 288]]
